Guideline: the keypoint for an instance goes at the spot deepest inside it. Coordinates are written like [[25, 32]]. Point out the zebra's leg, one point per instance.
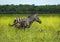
[[28, 26], [18, 25]]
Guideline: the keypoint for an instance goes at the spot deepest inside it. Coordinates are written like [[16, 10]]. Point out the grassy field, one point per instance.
[[45, 32]]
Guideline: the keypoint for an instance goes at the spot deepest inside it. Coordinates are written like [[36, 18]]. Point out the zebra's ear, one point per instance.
[[36, 14]]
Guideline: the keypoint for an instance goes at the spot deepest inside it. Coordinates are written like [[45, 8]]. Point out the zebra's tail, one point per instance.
[[11, 24]]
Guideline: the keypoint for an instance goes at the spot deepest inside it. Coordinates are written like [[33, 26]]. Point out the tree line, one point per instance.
[[29, 9]]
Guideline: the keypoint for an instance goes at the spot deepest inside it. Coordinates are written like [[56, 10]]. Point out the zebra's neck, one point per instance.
[[31, 20]]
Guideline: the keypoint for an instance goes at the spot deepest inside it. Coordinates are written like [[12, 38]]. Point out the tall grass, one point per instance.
[[44, 32]]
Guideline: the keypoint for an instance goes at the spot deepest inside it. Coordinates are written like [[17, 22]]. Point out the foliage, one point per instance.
[[29, 9]]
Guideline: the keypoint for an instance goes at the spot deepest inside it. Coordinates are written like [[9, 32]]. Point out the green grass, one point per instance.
[[45, 32]]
